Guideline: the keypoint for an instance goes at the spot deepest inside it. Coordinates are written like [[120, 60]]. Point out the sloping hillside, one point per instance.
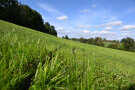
[[35, 60]]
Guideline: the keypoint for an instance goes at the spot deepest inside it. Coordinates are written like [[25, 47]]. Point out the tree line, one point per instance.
[[15, 12], [126, 44]]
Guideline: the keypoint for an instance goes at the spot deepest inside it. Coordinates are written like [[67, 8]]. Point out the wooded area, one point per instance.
[[15, 12]]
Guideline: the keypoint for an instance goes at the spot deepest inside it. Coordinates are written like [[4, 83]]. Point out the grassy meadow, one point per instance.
[[37, 61], [106, 44]]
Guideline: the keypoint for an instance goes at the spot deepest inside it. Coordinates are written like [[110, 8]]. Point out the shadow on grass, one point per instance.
[[131, 87]]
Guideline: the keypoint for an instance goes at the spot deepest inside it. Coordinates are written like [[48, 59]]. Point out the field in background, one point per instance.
[[34, 60], [106, 44]]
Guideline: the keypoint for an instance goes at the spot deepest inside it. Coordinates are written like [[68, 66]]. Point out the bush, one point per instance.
[[114, 46]]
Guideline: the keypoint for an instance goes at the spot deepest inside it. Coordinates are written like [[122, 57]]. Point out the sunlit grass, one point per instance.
[[34, 60]]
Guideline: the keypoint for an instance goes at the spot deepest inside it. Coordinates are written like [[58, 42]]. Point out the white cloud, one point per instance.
[[84, 26], [60, 29], [62, 18], [65, 32], [125, 34], [82, 33], [103, 33], [110, 24], [111, 19], [85, 11], [86, 31], [125, 31], [106, 33], [50, 9], [127, 27], [94, 6], [107, 28], [94, 33]]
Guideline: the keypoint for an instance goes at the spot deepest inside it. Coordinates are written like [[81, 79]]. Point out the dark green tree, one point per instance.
[[114, 46], [91, 41], [66, 37], [47, 27], [15, 12], [123, 40], [128, 44], [63, 37], [53, 31], [104, 40], [98, 41], [50, 29], [8, 9], [30, 18], [82, 40]]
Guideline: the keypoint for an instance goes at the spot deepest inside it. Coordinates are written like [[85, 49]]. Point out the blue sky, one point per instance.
[[111, 19]]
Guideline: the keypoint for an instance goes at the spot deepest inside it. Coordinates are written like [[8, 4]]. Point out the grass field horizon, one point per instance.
[[36, 61]]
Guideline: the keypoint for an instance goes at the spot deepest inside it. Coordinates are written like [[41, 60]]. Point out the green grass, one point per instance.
[[106, 44], [37, 61]]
